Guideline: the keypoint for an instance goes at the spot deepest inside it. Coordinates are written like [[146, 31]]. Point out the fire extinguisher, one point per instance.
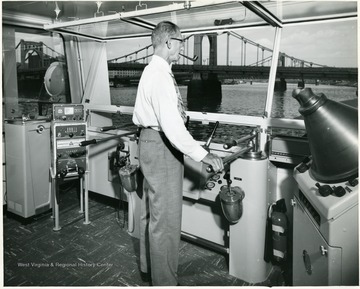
[[279, 228]]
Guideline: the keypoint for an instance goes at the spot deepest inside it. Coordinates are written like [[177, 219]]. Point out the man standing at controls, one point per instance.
[[163, 142]]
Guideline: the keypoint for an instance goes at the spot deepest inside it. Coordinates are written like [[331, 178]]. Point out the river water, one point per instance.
[[240, 99]]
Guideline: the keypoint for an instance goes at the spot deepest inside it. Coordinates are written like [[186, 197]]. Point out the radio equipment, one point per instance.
[[69, 158]]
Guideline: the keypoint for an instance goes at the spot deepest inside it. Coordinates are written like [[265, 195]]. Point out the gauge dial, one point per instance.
[[210, 185], [215, 177]]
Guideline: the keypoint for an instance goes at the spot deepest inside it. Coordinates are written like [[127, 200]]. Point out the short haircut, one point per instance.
[[162, 31]]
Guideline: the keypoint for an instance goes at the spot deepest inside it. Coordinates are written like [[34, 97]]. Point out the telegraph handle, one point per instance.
[[240, 140], [106, 128], [87, 142], [230, 144], [208, 142], [94, 141], [227, 160]]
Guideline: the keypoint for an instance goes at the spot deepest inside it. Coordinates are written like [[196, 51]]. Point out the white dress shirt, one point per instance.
[[156, 107]]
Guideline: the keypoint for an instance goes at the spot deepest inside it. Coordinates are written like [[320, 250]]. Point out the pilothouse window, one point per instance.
[[35, 72], [321, 56]]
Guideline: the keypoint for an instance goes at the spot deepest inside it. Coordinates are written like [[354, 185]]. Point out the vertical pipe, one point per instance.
[[187, 51], [81, 181], [227, 48], [271, 85], [273, 68], [86, 197], [56, 206], [241, 53], [244, 52], [51, 194]]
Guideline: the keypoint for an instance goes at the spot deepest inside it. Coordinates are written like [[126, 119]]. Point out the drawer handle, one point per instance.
[[323, 250], [307, 262]]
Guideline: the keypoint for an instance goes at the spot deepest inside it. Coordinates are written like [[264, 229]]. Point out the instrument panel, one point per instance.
[[68, 130], [68, 112]]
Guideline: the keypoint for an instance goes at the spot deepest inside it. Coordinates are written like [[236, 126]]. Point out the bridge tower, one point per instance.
[[206, 85], [35, 61], [281, 85], [198, 39]]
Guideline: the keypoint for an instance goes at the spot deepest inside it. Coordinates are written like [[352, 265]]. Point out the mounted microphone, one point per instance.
[[187, 57]]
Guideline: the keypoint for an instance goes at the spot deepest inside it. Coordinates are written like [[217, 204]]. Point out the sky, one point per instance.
[[331, 44]]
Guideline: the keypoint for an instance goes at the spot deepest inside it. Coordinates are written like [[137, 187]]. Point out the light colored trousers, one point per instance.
[[160, 225]]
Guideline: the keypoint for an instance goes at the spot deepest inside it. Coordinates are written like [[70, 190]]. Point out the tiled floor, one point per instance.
[[101, 253]]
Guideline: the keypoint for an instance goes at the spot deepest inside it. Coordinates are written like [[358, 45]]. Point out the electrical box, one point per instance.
[[288, 149], [27, 159]]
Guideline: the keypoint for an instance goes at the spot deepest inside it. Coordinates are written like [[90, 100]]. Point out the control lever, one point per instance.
[[95, 141], [106, 128], [229, 145], [208, 142], [227, 160], [87, 142], [240, 140]]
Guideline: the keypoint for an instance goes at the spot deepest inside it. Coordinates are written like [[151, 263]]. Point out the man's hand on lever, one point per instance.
[[214, 161]]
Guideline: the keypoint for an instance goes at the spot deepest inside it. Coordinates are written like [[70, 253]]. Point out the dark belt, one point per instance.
[[160, 132]]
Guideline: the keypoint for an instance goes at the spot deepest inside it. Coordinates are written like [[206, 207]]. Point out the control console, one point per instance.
[[68, 130]]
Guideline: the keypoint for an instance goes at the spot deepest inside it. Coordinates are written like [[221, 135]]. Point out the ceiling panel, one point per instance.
[[136, 18]]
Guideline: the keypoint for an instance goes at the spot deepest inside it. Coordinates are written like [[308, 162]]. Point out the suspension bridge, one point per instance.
[[36, 57], [253, 62]]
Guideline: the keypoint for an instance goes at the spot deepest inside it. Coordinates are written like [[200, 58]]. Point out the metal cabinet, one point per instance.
[[27, 161], [315, 262]]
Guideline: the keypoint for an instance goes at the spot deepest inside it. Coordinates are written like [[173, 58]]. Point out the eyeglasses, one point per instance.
[[178, 39]]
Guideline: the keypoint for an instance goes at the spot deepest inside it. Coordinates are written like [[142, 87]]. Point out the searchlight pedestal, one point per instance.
[[326, 221]]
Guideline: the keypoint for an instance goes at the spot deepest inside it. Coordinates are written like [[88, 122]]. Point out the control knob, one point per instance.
[[63, 173], [339, 191], [324, 190], [81, 171], [353, 182]]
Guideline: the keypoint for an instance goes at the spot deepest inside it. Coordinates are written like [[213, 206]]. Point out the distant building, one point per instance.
[[123, 73]]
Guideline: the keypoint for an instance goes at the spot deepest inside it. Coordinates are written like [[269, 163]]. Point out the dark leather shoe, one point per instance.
[[145, 277]]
